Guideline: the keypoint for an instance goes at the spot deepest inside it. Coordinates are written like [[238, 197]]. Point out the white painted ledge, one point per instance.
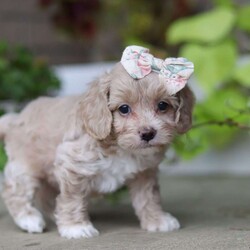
[[75, 78]]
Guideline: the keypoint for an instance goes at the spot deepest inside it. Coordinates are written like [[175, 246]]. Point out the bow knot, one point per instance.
[[173, 72]]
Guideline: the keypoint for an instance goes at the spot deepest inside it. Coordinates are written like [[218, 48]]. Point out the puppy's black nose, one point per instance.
[[147, 134]]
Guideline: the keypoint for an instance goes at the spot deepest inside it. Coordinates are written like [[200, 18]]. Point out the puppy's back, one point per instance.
[[5, 124], [36, 132]]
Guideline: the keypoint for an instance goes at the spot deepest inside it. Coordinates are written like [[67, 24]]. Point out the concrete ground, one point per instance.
[[214, 213]]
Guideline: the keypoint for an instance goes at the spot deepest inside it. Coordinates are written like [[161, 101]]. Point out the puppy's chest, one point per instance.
[[115, 170]]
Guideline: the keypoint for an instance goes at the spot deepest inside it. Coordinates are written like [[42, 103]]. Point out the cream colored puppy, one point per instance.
[[115, 134]]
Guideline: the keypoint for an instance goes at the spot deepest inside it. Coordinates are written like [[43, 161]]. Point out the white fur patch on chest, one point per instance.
[[114, 171]]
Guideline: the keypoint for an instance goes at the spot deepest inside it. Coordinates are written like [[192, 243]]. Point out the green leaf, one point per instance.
[[3, 65], [224, 3], [209, 27], [220, 136], [213, 64], [242, 75], [192, 144], [243, 18], [117, 196], [22, 76], [221, 104], [3, 48], [3, 157]]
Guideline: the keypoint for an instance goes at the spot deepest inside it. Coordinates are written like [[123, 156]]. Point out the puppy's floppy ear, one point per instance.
[[97, 118], [184, 112], [91, 112]]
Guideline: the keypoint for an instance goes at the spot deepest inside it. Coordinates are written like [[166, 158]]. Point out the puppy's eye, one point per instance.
[[162, 106], [124, 109]]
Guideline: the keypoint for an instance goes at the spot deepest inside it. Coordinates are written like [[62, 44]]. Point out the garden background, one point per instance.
[[55, 47]]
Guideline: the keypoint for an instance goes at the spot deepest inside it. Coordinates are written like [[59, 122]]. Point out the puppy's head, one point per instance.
[[139, 113], [144, 114]]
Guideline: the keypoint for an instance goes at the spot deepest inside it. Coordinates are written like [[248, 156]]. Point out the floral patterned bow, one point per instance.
[[174, 72]]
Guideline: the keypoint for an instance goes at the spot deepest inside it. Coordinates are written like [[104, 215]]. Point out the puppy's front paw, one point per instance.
[[32, 223], [78, 231], [165, 223]]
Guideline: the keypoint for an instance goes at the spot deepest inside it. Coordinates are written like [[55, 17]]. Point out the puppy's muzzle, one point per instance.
[[147, 134]]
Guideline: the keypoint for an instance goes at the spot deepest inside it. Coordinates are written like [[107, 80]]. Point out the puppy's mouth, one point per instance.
[[146, 145], [149, 144]]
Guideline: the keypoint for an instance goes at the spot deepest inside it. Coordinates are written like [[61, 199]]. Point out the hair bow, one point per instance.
[[173, 72]]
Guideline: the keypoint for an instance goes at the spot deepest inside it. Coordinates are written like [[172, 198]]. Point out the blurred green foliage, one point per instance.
[[207, 27], [243, 18], [22, 78], [3, 157], [210, 40]]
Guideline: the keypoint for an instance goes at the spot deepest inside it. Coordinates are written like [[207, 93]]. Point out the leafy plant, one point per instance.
[[3, 157], [210, 41], [22, 76]]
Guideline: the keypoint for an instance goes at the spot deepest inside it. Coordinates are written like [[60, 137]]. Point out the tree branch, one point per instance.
[[227, 122]]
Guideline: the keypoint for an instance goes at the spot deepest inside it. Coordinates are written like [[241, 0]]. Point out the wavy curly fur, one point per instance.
[[82, 144]]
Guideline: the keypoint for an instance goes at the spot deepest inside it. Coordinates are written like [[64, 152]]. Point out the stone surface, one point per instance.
[[214, 213]]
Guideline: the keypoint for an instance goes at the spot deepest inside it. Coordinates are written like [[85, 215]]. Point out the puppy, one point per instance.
[[115, 134]]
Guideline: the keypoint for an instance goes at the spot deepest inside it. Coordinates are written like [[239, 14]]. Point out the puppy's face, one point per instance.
[[144, 114], [139, 113]]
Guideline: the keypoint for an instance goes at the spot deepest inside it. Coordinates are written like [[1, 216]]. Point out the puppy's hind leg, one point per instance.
[[18, 192]]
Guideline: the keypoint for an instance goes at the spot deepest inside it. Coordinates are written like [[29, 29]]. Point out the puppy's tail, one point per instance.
[[5, 123]]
